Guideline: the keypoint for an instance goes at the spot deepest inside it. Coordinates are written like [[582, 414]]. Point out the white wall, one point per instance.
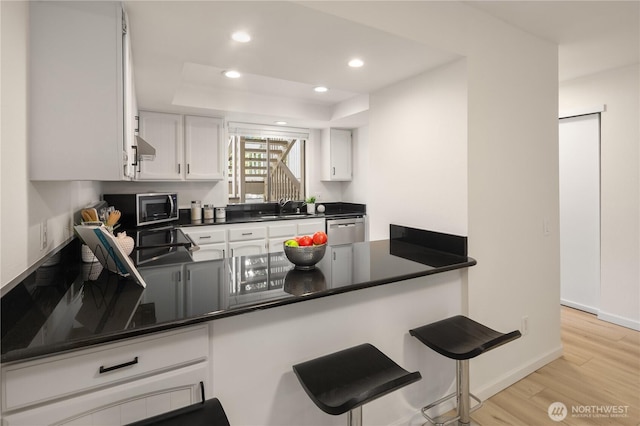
[[512, 158], [418, 153], [620, 185], [25, 205]]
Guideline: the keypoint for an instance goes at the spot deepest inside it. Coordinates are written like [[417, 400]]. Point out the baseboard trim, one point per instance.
[[511, 377], [579, 306], [618, 320], [633, 324]]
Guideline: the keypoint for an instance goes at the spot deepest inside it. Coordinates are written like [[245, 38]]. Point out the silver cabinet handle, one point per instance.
[[247, 233]]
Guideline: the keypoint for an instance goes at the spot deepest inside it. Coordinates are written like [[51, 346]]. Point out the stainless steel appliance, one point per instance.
[[345, 230], [144, 209], [156, 246]]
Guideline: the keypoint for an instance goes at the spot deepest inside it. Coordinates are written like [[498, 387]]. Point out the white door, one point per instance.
[[579, 162]]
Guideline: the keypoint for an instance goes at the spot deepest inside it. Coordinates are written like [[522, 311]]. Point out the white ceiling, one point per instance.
[[180, 49]]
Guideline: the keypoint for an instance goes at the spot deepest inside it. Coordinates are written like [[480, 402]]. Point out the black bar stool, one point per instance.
[[346, 380], [206, 413], [460, 338]]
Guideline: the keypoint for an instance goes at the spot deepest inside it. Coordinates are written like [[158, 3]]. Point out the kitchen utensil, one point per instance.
[[89, 215], [113, 218]]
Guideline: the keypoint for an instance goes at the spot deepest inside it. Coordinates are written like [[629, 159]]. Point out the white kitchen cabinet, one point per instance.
[[167, 293], [75, 389], [204, 148], [203, 292], [342, 264], [279, 233], [165, 133], [79, 66], [311, 226], [247, 248], [211, 240], [187, 147], [247, 240], [336, 155]]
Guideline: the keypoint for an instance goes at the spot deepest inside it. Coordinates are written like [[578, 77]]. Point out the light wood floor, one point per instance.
[[599, 370]]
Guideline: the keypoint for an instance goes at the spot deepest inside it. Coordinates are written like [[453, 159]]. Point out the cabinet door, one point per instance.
[[123, 404], [204, 148], [210, 252], [167, 293], [130, 105], [340, 154], [247, 248], [204, 286], [309, 227], [165, 133], [336, 155], [76, 100], [342, 264]]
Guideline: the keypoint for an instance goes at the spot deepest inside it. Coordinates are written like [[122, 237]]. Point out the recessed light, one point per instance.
[[231, 74], [241, 37], [356, 63], [280, 123], [320, 89]]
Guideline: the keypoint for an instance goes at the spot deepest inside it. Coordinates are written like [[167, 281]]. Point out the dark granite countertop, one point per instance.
[[267, 212], [66, 304]]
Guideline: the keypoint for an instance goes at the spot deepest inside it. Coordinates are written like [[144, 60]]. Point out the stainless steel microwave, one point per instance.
[[144, 209]]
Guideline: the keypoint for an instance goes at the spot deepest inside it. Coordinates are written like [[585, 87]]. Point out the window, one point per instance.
[[265, 164]]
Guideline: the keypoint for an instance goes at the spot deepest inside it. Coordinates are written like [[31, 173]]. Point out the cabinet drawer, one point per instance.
[[59, 376], [309, 227], [285, 230], [242, 234], [206, 235]]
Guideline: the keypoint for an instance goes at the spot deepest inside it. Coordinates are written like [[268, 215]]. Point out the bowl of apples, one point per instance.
[[305, 251]]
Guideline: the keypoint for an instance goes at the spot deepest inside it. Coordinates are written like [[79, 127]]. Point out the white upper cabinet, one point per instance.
[[204, 148], [187, 147], [336, 155], [165, 133], [77, 91]]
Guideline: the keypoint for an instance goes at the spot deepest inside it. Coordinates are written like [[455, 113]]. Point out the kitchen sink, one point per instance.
[[283, 216]]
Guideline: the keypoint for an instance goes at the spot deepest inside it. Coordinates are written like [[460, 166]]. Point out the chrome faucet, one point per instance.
[[283, 202]]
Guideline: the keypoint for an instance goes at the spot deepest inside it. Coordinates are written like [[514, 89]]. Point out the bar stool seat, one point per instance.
[[460, 338], [206, 413], [344, 381]]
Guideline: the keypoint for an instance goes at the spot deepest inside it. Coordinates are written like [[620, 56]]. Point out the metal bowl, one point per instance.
[[305, 258]]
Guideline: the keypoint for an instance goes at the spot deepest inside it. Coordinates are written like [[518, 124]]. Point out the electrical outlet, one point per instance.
[[524, 325], [43, 235]]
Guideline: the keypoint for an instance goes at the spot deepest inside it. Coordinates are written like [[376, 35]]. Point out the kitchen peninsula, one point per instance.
[[66, 306]]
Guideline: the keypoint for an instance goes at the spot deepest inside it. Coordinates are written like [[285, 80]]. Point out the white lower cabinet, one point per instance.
[[341, 265], [220, 241], [112, 384], [122, 404], [167, 291], [311, 226], [247, 248], [279, 233]]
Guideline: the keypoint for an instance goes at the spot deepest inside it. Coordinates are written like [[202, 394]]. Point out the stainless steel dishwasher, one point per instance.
[[345, 230]]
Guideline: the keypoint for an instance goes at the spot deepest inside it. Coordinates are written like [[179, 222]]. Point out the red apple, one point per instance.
[[305, 241], [319, 238]]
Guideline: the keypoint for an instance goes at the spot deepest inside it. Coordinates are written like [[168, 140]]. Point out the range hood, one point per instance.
[[146, 152]]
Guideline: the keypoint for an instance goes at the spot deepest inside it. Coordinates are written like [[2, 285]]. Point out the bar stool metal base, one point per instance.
[[463, 398], [355, 417]]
